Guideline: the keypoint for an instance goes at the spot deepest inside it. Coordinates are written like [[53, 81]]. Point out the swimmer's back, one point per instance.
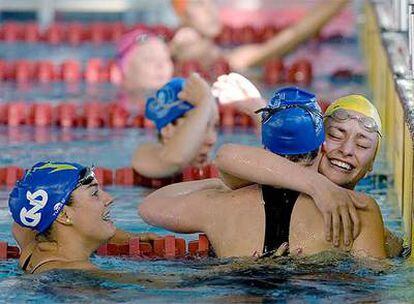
[[307, 234]]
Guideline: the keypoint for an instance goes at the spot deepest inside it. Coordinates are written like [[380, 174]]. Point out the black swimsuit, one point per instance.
[[278, 205]]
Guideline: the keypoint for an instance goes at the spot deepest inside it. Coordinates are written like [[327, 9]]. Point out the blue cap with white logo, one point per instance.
[[166, 107], [292, 122], [37, 199]]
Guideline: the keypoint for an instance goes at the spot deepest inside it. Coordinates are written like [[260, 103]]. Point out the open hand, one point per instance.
[[338, 205]]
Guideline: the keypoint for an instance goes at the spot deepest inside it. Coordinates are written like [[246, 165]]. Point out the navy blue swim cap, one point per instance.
[[166, 107], [37, 199], [292, 123]]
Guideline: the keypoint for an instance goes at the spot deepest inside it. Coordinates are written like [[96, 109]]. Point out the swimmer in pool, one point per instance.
[[200, 24], [352, 141], [145, 65], [186, 123], [68, 216], [255, 219]]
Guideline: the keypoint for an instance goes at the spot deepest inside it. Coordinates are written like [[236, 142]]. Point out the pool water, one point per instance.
[[327, 277]]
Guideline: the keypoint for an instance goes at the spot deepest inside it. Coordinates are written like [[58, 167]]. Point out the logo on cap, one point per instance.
[[38, 200]]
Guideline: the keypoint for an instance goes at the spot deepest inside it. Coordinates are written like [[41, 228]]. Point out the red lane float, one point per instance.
[[274, 72], [300, 73], [95, 115], [97, 70], [168, 247], [122, 176], [8, 252]]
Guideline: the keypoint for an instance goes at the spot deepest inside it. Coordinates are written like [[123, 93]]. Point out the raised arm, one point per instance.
[[240, 165], [246, 56], [182, 207], [157, 160]]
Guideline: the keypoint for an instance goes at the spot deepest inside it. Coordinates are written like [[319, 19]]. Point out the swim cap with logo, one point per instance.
[[37, 199], [166, 107], [357, 103], [292, 122]]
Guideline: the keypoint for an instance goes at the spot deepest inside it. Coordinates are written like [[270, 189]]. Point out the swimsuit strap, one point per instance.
[[33, 270], [26, 254]]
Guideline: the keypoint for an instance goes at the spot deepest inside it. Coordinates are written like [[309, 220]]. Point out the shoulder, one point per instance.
[[371, 203]]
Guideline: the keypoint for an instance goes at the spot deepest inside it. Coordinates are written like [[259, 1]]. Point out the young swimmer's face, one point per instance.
[[349, 151], [148, 66], [203, 16], [89, 212], [210, 138]]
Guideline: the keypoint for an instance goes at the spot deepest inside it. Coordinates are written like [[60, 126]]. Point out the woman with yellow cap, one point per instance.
[[353, 132]]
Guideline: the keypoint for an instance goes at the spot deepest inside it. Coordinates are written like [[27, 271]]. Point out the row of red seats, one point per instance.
[[121, 176], [93, 115], [97, 71], [167, 247]]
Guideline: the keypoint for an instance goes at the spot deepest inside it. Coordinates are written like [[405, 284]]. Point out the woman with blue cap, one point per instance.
[[185, 115], [255, 219], [68, 213]]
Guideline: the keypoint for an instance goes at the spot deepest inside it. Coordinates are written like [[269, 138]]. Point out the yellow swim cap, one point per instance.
[[357, 103]]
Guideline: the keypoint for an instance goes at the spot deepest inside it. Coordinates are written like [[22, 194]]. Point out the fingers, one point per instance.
[[355, 221], [282, 250], [347, 225], [328, 226], [335, 228]]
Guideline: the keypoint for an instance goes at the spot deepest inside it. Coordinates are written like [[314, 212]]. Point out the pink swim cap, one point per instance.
[[128, 42]]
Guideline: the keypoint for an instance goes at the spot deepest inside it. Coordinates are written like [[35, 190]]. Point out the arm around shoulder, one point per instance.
[[183, 207]]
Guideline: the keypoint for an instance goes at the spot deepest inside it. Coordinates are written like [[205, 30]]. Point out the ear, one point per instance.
[[64, 217]]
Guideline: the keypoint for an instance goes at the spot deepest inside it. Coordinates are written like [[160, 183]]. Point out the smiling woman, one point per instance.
[[64, 205]]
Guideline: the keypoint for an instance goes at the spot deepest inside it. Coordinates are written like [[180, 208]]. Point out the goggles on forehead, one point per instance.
[[268, 112], [367, 123], [86, 177]]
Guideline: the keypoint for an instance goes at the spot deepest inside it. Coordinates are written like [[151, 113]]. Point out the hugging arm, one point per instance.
[[182, 207], [241, 165]]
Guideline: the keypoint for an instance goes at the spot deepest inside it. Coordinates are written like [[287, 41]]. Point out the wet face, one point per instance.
[[203, 16], [349, 151], [90, 214], [148, 66]]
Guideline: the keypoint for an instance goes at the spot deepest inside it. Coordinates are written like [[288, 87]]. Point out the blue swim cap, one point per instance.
[[166, 107], [37, 199], [292, 122]]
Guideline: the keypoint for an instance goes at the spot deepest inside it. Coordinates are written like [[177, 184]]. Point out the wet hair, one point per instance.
[[305, 157], [47, 235]]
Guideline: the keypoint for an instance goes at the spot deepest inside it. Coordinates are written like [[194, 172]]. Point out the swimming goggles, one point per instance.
[[86, 176], [367, 123], [268, 112]]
